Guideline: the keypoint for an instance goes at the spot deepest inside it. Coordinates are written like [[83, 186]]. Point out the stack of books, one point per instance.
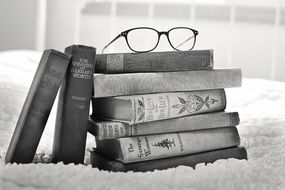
[[162, 109], [149, 110]]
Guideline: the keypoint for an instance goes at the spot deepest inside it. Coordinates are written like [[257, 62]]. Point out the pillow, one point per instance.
[[18, 66]]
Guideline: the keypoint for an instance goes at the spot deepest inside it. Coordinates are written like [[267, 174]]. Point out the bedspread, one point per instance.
[[260, 103]]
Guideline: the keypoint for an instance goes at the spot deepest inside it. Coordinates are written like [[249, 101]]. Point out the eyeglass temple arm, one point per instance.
[[111, 42], [185, 41]]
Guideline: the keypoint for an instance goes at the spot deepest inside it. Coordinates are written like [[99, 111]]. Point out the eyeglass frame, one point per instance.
[[166, 33]]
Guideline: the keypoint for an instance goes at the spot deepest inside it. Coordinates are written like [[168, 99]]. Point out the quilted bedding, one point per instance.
[[261, 104]]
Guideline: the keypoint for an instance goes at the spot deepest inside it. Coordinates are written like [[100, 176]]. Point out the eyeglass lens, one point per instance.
[[182, 38], [142, 39]]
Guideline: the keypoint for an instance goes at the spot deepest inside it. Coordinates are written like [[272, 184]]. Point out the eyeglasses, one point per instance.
[[146, 39]]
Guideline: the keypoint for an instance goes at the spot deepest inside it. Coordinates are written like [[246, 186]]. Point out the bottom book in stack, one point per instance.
[[104, 163]]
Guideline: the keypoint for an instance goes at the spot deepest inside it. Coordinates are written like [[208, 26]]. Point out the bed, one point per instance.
[[261, 104]]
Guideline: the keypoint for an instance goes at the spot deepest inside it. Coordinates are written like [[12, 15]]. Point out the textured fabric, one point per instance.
[[260, 103]]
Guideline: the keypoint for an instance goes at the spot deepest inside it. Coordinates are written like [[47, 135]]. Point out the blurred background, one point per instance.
[[249, 34]]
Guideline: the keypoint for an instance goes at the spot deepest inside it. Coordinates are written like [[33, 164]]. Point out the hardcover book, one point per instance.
[[146, 83], [160, 106], [101, 162], [73, 106], [150, 147], [37, 107], [114, 129], [154, 61]]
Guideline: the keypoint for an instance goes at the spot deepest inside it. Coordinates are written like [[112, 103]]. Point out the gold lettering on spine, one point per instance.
[[51, 79], [139, 143], [147, 151], [143, 147], [82, 69], [151, 107], [38, 111], [131, 148], [180, 142], [110, 131]]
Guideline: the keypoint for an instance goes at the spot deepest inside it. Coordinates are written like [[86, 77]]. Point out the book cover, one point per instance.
[[114, 129], [154, 61], [160, 106], [101, 162], [73, 106], [150, 147], [146, 83], [37, 107]]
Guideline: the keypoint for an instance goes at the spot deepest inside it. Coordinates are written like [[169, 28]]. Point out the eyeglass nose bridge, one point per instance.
[[163, 33], [166, 33]]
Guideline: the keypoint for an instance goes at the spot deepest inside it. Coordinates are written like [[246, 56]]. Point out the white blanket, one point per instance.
[[261, 104]]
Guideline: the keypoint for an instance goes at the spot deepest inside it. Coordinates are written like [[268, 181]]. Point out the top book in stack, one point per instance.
[[154, 61]]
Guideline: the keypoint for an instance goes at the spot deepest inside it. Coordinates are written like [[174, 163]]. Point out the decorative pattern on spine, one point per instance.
[[153, 107], [193, 103]]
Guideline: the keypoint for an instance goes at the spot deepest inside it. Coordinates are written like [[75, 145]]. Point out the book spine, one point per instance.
[[146, 83], [37, 107], [141, 148], [154, 61], [114, 129], [188, 123], [103, 163], [73, 106], [154, 107], [109, 130]]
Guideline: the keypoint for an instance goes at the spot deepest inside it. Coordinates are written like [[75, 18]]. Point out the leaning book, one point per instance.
[[37, 106], [73, 106]]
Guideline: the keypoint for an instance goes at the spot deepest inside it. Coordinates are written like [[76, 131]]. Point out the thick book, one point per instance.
[[101, 162], [154, 61], [160, 106], [150, 147], [37, 107], [73, 106], [114, 129], [146, 83]]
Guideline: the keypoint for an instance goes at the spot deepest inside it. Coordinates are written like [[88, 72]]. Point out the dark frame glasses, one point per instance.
[[193, 33]]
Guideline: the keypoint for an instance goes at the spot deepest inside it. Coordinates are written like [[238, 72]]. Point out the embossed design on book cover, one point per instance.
[[165, 143], [141, 108], [193, 103], [115, 62]]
